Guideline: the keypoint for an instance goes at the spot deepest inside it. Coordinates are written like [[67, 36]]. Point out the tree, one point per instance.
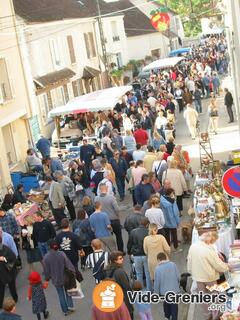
[[191, 11]]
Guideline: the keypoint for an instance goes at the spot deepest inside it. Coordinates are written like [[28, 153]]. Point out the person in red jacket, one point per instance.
[[141, 135]]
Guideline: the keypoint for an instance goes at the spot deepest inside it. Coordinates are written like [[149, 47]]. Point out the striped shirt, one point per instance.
[[96, 255]]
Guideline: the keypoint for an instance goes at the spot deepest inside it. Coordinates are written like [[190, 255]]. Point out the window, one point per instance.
[[46, 105], [65, 89], [5, 87], [71, 49], [9, 144], [60, 96], [77, 87], [119, 60], [115, 35], [156, 53], [54, 48], [90, 45]]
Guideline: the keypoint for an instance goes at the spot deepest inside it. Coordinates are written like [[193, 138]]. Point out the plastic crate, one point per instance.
[[30, 182], [16, 178]]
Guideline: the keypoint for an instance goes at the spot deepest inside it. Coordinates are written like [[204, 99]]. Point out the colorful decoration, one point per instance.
[[160, 19]]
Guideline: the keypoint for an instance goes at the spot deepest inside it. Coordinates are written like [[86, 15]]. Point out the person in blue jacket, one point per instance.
[[43, 145], [171, 215], [143, 190]]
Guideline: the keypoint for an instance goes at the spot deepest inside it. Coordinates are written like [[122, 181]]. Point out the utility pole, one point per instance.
[[102, 39]]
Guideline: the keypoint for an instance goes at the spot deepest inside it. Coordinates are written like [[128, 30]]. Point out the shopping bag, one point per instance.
[[76, 293]]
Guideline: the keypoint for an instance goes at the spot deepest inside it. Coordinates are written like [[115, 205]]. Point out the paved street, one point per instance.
[[226, 140]]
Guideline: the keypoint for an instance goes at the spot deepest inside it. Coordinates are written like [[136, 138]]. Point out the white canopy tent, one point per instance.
[[100, 100], [163, 63]]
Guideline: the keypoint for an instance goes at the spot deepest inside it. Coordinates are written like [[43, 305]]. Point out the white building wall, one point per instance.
[[39, 60], [113, 47], [140, 46]]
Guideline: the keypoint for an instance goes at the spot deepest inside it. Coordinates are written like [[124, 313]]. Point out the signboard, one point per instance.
[[231, 182]]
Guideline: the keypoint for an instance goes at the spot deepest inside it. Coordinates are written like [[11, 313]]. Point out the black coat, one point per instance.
[[135, 241], [7, 269], [118, 274], [228, 99]]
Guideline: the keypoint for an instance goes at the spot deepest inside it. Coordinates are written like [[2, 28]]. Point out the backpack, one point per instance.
[[84, 234], [98, 269]]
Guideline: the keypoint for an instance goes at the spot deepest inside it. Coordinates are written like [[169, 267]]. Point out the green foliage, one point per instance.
[[191, 11], [117, 73]]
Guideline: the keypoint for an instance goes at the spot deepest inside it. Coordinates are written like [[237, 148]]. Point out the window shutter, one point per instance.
[[70, 91], [66, 93], [80, 86], [75, 89], [49, 99], [87, 45], [71, 49], [55, 52], [91, 39]]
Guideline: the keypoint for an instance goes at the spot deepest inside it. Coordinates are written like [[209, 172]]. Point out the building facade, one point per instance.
[[14, 100]]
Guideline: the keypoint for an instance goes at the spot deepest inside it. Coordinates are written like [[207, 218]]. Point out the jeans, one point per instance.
[[117, 230], [43, 247], [120, 182], [207, 91], [171, 236], [141, 265], [64, 299], [170, 310], [198, 105]]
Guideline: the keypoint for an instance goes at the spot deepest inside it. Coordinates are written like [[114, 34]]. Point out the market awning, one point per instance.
[[100, 100], [163, 63], [54, 77], [89, 73]]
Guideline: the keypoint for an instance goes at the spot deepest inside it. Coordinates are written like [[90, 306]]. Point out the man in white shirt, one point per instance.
[[161, 121], [191, 85], [152, 101], [191, 117], [107, 181], [33, 161], [139, 153]]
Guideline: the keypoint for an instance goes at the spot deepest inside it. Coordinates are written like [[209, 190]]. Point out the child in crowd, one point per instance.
[[9, 308], [143, 309], [98, 260], [36, 294]]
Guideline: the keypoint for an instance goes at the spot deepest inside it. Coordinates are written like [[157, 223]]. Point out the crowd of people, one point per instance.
[[134, 152]]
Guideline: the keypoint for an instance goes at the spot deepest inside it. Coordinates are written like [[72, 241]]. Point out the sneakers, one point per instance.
[[70, 311]]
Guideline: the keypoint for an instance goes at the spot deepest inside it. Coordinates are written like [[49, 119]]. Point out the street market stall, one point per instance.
[[97, 101], [163, 63]]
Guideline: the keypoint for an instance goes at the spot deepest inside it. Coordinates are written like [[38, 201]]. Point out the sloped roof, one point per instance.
[[54, 77], [37, 11]]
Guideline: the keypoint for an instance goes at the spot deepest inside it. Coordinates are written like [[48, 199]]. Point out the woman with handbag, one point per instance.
[[60, 270], [32, 251], [213, 116]]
